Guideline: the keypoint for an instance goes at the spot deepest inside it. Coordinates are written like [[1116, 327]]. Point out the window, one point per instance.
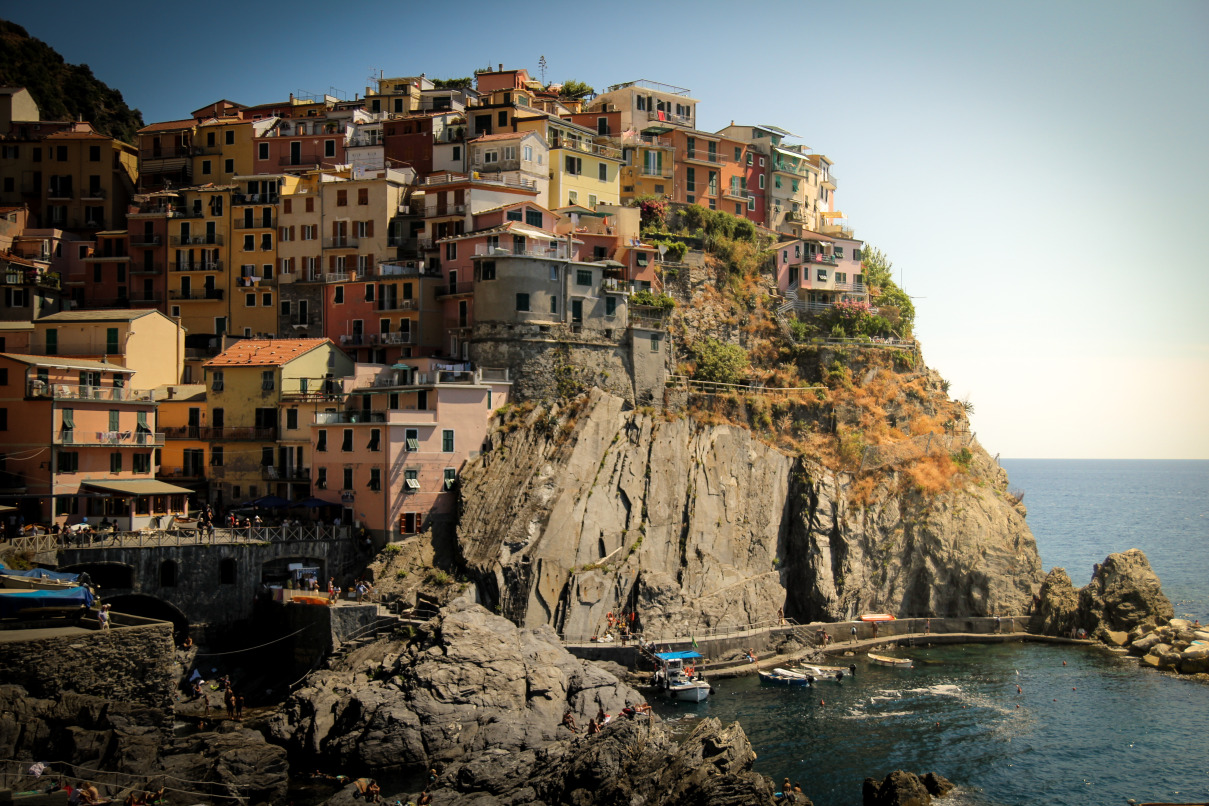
[[266, 456], [321, 441], [751, 201], [447, 440], [291, 419], [375, 478], [348, 479], [522, 302], [776, 181], [205, 167], [490, 157], [216, 457], [822, 275], [346, 446], [610, 306], [457, 152], [266, 242], [262, 151], [342, 198], [168, 574], [68, 461], [451, 478], [308, 231], [451, 251], [375, 439], [321, 478], [268, 380], [411, 480], [487, 270], [592, 200], [574, 165], [528, 152], [249, 300], [602, 172], [362, 196], [142, 462], [249, 243], [533, 217], [266, 300], [230, 137], [412, 439], [94, 153], [228, 166], [509, 153], [338, 295], [583, 277], [329, 148], [655, 342], [503, 117]]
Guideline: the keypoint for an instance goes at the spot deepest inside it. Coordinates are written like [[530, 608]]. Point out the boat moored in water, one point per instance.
[[677, 675], [887, 660]]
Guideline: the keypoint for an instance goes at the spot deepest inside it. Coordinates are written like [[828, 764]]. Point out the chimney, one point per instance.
[[501, 67]]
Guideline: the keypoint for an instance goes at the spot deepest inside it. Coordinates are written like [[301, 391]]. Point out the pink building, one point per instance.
[[820, 271], [391, 458]]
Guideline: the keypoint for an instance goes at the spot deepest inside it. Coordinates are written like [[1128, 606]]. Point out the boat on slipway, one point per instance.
[[677, 675], [887, 660]]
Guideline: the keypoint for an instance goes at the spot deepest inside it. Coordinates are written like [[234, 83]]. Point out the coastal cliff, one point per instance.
[[579, 510]]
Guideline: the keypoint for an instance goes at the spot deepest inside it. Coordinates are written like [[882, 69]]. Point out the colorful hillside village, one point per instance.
[[325, 300]]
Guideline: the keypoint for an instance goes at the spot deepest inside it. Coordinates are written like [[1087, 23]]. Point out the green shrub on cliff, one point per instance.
[[718, 362]]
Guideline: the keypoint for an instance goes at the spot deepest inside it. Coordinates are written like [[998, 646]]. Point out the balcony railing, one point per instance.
[[712, 159], [121, 439], [738, 193], [56, 192], [348, 418], [342, 242], [587, 147], [446, 179], [146, 268], [254, 198], [92, 193], [652, 170], [614, 286], [274, 473], [164, 153], [69, 391], [146, 240], [229, 434], [208, 239], [558, 251], [787, 168], [396, 304], [200, 294], [181, 265]]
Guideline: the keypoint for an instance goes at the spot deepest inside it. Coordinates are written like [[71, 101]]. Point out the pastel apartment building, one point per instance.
[[818, 271], [144, 341]]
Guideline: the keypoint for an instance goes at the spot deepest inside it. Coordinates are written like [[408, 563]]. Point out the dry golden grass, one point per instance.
[[932, 474]]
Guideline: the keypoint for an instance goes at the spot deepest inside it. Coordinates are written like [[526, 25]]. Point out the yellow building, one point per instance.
[[649, 167], [222, 149], [199, 262], [584, 168], [245, 385], [182, 417], [255, 216], [146, 341]]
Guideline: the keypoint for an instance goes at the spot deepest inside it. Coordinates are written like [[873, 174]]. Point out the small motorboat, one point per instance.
[[680, 680], [886, 660], [784, 677], [877, 618]]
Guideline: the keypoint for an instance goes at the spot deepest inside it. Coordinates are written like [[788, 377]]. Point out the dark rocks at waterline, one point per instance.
[[469, 681], [901, 788], [1124, 594], [127, 741], [628, 762]]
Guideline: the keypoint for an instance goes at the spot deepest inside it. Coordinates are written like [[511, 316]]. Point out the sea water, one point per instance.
[[1085, 727]]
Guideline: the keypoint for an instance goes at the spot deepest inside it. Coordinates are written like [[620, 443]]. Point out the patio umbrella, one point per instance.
[[313, 503]]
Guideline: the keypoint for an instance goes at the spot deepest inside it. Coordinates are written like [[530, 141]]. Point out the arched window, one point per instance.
[[168, 574], [226, 571]]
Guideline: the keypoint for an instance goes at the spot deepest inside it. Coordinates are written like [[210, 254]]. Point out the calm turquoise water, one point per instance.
[[1095, 731]]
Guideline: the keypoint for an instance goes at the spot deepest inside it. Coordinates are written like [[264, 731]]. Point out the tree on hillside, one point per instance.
[[575, 89], [719, 362], [894, 303]]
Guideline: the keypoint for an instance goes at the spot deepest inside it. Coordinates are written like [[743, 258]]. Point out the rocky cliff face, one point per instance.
[[576, 512], [1124, 595], [469, 682]]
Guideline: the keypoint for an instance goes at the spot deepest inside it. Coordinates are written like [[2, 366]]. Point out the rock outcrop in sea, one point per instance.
[[1123, 594], [468, 682], [697, 526], [901, 788]]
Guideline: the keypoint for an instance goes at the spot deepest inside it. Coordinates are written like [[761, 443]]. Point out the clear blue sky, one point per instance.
[[1037, 171]]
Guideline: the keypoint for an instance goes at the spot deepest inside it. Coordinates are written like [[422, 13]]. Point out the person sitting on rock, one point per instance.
[[569, 721], [601, 716], [593, 728], [367, 788]]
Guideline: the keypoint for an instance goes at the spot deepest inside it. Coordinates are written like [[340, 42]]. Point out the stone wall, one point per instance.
[[199, 593], [132, 662]]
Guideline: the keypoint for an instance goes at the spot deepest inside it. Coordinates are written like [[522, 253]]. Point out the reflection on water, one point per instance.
[[1097, 730]]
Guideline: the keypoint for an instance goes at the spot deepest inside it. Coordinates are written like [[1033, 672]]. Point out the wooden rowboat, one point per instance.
[[886, 660]]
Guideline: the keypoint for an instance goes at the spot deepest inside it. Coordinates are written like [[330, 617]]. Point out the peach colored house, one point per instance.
[[83, 444], [391, 457], [820, 271]]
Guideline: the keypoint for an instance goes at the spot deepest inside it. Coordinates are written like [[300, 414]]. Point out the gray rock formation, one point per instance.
[[469, 682], [1124, 595], [901, 788], [126, 738], [703, 526], [628, 762]]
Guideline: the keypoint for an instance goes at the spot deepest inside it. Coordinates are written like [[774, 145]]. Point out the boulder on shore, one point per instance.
[[469, 681], [1124, 596], [901, 788]]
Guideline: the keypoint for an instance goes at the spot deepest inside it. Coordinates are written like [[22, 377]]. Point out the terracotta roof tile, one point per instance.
[[168, 125], [264, 352]]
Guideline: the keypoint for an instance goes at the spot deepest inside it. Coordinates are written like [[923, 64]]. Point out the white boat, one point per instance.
[[678, 676], [886, 660]]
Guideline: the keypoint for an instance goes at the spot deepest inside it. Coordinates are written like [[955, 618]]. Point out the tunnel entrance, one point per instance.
[[104, 575], [140, 604]]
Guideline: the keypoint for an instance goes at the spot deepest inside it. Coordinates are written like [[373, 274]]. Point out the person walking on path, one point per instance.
[[103, 617], [854, 633]]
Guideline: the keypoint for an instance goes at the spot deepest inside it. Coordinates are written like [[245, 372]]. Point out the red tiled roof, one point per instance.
[[264, 352], [167, 125], [487, 138], [77, 136]]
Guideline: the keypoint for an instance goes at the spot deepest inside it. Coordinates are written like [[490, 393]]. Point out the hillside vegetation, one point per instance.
[[63, 91]]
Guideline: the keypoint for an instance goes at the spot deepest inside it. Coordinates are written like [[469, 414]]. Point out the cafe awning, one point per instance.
[[137, 487]]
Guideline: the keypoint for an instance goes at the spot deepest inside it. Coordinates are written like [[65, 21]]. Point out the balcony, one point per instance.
[[240, 199], [738, 193], [781, 166], [829, 179], [201, 294], [70, 391], [337, 276], [707, 158], [375, 339], [146, 268], [209, 239], [455, 290], [146, 240], [656, 171], [446, 179], [586, 147], [93, 193], [121, 439], [348, 418], [556, 251], [819, 257], [161, 153], [233, 434], [651, 141], [34, 277], [396, 305], [295, 474], [256, 223], [206, 151], [57, 192], [611, 285], [341, 242], [181, 265]]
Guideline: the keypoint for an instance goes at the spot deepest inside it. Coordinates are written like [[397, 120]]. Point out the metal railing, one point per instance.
[[396, 305], [213, 265], [556, 251], [70, 391], [122, 439], [209, 239], [712, 387], [205, 293], [254, 198], [341, 242], [146, 240], [186, 533]]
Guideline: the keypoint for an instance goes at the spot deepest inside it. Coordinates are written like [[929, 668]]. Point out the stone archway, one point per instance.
[[104, 575], [142, 604]]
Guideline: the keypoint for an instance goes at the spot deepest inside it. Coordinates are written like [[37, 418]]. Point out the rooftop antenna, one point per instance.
[[541, 66]]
